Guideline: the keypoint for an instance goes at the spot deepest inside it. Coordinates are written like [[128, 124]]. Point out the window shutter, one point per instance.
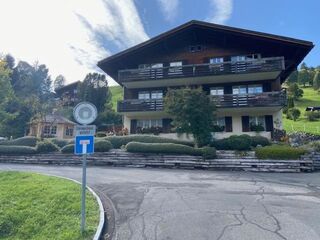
[[166, 122], [269, 123], [228, 89], [266, 87], [245, 124], [133, 126], [228, 121]]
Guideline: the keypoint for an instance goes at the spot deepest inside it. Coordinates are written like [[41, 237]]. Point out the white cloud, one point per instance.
[[221, 11], [68, 36], [169, 8]]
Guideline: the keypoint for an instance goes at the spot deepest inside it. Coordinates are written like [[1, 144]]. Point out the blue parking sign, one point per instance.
[[84, 145]]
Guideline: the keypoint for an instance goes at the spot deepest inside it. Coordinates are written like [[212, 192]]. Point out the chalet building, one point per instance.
[[68, 94], [241, 70]]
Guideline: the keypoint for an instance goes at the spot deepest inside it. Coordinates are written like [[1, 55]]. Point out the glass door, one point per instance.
[[240, 95]]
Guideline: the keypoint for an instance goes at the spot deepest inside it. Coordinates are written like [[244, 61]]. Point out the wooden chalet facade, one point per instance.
[[241, 70]]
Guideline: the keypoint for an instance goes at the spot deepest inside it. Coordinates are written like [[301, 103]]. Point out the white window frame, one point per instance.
[[217, 91], [156, 94], [255, 89], [148, 123], [143, 95], [257, 119]]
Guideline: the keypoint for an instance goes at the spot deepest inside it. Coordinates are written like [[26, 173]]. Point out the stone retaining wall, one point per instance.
[[226, 160], [315, 157]]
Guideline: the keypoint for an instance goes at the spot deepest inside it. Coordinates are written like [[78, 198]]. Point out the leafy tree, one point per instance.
[[59, 82], [304, 77], [316, 80], [6, 96], [193, 113], [294, 91], [94, 89], [293, 78], [10, 61], [293, 113]]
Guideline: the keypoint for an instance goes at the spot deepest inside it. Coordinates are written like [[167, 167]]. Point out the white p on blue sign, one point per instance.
[[84, 145]]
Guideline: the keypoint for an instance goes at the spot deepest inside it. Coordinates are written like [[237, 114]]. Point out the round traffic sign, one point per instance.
[[85, 113]]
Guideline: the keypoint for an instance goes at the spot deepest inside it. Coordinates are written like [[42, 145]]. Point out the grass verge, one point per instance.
[[34, 206]]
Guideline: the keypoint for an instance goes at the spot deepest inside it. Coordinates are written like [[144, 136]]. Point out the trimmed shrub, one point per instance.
[[259, 140], [60, 142], [236, 142], [312, 116], [170, 148], [17, 150], [101, 134], [293, 114], [68, 148], [118, 141], [23, 141], [208, 152], [279, 152], [102, 146], [46, 146]]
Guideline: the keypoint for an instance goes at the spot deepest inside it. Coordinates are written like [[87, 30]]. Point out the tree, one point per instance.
[[6, 96], [10, 61], [59, 82], [293, 113], [193, 113], [293, 78], [304, 77], [316, 80], [94, 89], [294, 91]]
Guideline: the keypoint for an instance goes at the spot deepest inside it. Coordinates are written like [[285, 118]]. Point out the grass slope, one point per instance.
[[117, 94], [34, 206], [310, 98]]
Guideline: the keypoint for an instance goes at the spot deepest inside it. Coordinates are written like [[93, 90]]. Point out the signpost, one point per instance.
[[84, 113]]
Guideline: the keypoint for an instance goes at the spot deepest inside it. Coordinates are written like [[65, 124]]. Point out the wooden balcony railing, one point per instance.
[[224, 101], [207, 69]]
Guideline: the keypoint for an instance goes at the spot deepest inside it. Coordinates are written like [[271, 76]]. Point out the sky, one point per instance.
[[71, 36]]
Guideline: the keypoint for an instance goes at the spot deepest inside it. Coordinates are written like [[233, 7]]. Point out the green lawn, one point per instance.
[[117, 94], [34, 206], [310, 98]]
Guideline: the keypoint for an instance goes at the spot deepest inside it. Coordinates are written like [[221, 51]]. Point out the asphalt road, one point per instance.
[[159, 204]]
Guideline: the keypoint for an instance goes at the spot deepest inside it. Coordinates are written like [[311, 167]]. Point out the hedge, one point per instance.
[[17, 150], [240, 142], [118, 141], [23, 141], [60, 142], [102, 146], [209, 152], [46, 146], [68, 148], [170, 148], [279, 152]]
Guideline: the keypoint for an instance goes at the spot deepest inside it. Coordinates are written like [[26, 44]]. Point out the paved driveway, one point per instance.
[[157, 204]]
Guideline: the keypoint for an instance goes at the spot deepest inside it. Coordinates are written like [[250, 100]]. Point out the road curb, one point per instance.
[[98, 233]]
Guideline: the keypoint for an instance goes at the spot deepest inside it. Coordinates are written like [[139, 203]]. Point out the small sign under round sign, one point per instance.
[[85, 113]]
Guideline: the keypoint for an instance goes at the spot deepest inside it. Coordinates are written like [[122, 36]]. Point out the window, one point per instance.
[[220, 121], [46, 129], [53, 130], [175, 68], [157, 94], [257, 120], [176, 64], [149, 123], [239, 90], [216, 91], [216, 60], [143, 95], [69, 131], [254, 89]]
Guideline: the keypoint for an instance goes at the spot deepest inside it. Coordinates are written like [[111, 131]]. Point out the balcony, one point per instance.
[[152, 76], [266, 99]]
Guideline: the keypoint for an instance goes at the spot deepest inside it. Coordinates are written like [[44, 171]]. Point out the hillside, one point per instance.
[[310, 98], [117, 94]]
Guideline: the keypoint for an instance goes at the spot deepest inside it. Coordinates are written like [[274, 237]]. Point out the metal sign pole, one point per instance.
[[84, 183]]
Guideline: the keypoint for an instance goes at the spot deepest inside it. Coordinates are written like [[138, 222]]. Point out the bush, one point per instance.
[[23, 141], [208, 152], [240, 143], [279, 152], [118, 141], [101, 134], [68, 148], [312, 116], [293, 114], [60, 142], [259, 140], [102, 146], [256, 127], [170, 148], [17, 150], [46, 146]]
